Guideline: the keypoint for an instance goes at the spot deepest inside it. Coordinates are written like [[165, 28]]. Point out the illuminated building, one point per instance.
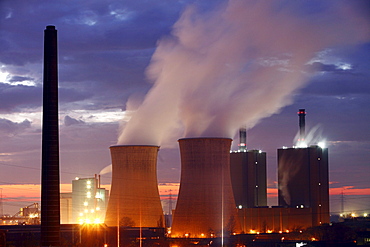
[[205, 205], [304, 181], [89, 201], [134, 199]]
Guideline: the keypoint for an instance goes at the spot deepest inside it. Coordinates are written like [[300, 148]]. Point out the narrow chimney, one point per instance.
[[50, 192], [302, 125], [242, 139]]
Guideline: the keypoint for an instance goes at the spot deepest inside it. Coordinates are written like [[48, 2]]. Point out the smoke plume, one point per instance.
[[234, 65]]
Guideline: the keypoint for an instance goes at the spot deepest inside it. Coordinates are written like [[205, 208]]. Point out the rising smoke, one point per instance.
[[236, 64]]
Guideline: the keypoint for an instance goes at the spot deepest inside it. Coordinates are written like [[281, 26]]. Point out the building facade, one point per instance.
[[248, 178], [303, 180], [89, 201]]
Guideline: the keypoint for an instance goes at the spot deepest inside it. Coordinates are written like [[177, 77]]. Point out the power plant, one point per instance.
[[205, 205], [134, 198]]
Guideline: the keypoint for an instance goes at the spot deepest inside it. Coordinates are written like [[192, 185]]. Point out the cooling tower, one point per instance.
[[205, 205], [134, 200]]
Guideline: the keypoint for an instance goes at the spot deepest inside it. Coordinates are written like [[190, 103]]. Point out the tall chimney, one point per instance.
[[134, 199], [302, 125], [50, 192], [205, 205], [242, 139]]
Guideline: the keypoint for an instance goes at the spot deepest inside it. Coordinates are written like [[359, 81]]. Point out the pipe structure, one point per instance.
[[205, 205], [242, 139], [134, 200], [302, 125], [50, 191]]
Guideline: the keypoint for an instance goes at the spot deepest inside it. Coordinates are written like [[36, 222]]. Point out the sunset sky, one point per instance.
[[151, 72]]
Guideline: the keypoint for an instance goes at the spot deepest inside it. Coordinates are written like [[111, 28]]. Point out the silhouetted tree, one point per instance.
[[126, 222]]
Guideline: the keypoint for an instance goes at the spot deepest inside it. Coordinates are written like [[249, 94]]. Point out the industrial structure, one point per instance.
[[303, 190], [28, 215], [134, 199], [50, 201], [303, 180], [205, 205], [89, 200], [248, 175], [87, 203], [303, 177]]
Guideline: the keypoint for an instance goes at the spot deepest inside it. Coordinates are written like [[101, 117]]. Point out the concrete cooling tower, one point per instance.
[[205, 206], [134, 200]]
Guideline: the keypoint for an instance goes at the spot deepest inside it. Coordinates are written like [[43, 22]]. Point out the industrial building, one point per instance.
[[134, 199], [87, 203], [303, 187], [205, 205], [248, 175], [303, 176], [304, 182]]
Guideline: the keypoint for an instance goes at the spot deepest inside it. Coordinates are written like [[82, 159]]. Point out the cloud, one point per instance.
[[238, 58], [12, 98], [12, 128], [68, 121], [20, 79]]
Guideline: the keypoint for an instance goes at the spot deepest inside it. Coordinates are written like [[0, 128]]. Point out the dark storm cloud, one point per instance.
[[10, 127]]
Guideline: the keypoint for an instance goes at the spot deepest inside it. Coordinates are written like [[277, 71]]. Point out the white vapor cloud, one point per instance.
[[235, 65]]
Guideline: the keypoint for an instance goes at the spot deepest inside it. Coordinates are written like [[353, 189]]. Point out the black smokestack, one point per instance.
[[50, 192], [242, 139], [302, 125]]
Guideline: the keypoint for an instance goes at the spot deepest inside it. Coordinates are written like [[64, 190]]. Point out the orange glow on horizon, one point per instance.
[[32, 192]]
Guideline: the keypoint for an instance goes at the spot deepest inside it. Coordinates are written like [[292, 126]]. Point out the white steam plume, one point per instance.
[[105, 170], [235, 65]]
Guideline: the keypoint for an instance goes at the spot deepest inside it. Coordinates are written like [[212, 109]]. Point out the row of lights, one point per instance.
[[354, 215]]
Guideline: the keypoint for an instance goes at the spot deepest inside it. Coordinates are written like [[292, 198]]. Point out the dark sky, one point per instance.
[[189, 68]]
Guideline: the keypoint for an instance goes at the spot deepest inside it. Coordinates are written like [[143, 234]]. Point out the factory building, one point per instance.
[[134, 199], [205, 205], [303, 181], [248, 175], [303, 188], [303, 176], [89, 201]]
